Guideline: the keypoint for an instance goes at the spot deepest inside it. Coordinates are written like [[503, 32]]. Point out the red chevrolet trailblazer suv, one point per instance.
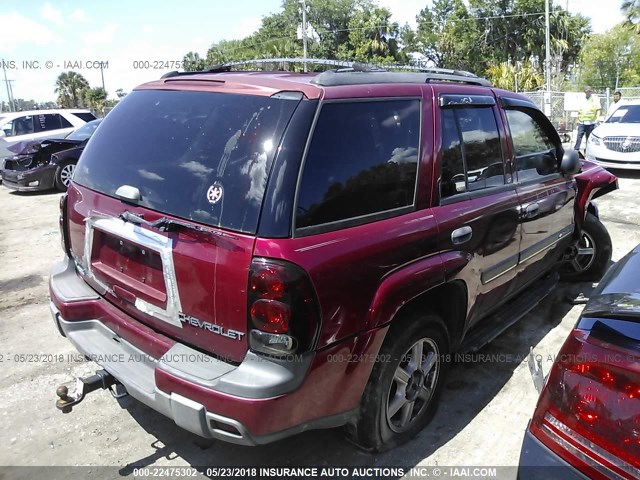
[[256, 254]]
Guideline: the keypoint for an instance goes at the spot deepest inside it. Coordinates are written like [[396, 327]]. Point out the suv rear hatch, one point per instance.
[[165, 205]]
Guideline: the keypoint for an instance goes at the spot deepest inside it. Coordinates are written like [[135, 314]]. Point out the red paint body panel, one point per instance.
[[211, 272], [334, 384], [590, 182], [245, 82], [134, 332], [346, 266]]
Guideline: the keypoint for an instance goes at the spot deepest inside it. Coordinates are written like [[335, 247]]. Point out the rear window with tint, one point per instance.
[[201, 156], [362, 161], [86, 116]]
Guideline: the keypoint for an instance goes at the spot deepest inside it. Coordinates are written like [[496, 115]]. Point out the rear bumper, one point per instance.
[[259, 401], [24, 180], [537, 462]]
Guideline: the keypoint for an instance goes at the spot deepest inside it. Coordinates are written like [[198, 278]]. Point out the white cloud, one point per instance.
[[147, 29], [51, 14], [246, 27], [102, 36], [603, 17], [18, 30], [404, 11], [79, 16]]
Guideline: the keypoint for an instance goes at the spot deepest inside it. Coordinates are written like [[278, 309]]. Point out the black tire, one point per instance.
[[595, 245], [63, 175], [377, 428]]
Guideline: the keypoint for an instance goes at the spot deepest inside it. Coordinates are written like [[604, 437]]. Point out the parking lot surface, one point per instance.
[[483, 413]]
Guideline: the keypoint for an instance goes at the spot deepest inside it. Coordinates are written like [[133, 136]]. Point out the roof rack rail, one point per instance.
[[333, 78], [340, 65], [444, 71], [353, 73]]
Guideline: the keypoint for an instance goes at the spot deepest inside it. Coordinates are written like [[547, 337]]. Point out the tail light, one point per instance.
[[589, 410], [283, 308], [64, 225]]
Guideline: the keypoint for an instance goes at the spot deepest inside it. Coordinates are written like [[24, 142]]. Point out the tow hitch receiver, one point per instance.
[[102, 379]]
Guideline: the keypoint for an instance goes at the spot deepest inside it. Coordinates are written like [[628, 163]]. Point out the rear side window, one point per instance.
[[362, 160], [471, 153], [49, 121], [535, 151], [64, 123], [201, 156], [86, 116]]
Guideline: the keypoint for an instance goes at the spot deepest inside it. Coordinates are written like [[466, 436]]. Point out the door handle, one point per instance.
[[532, 210], [461, 235]]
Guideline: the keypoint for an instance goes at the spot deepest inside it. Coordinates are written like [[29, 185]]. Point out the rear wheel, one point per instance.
[[589, 257], [402, 394], [63, 175]]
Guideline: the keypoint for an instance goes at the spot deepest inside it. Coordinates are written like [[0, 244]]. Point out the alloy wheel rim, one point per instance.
[[66, 173], [584, 254], [413, 385]]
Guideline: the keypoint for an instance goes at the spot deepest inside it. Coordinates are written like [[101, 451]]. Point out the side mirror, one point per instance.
[[570, 162]]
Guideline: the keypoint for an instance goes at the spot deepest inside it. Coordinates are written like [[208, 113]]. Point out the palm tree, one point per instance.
[[70, 87], [631, 10]]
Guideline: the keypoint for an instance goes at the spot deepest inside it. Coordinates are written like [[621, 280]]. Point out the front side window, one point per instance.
[[19, 126], [535, 152], [471, 152], [362, 160]]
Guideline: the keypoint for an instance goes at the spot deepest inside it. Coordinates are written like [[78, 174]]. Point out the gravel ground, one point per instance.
[[481, 420]]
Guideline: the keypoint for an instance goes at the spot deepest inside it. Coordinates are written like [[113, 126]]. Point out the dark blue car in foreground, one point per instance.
[[587, 421]]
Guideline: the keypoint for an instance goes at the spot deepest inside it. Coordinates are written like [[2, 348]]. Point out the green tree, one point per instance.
[[631, 10], [120, 93], [523, 77], [372, 38], [447, 36], [192, 62], [611, 59], [69, 88], [95, 98]]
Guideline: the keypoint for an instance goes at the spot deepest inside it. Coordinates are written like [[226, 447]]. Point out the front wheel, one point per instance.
[[402, 394], [589, 257], [64, 173]]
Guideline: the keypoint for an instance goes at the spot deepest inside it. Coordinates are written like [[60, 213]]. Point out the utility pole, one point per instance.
[[304, 33], [6, 84], [102, 75], [547, 67], [13, 100]]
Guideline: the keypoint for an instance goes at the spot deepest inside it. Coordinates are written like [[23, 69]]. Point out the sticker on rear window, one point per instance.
[[215, 192]]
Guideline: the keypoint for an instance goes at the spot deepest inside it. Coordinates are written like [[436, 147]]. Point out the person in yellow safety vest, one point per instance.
[[587, 115]]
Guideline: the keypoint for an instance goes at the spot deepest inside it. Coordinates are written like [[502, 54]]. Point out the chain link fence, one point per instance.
[[560, 110]]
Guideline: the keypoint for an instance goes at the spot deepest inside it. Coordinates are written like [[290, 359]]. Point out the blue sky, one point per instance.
[[120, 33]]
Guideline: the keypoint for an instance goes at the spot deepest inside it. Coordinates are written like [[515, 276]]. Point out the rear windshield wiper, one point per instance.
[[165, 224]]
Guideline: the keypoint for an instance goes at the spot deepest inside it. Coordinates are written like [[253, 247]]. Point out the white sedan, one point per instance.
[[35, 124], [616, 142]]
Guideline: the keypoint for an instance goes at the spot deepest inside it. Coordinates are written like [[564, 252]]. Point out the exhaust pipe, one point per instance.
[[101, 380]]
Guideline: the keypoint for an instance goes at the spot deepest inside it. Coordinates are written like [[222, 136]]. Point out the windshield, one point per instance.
[[625, 114], [201, 156], [84, 132]]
